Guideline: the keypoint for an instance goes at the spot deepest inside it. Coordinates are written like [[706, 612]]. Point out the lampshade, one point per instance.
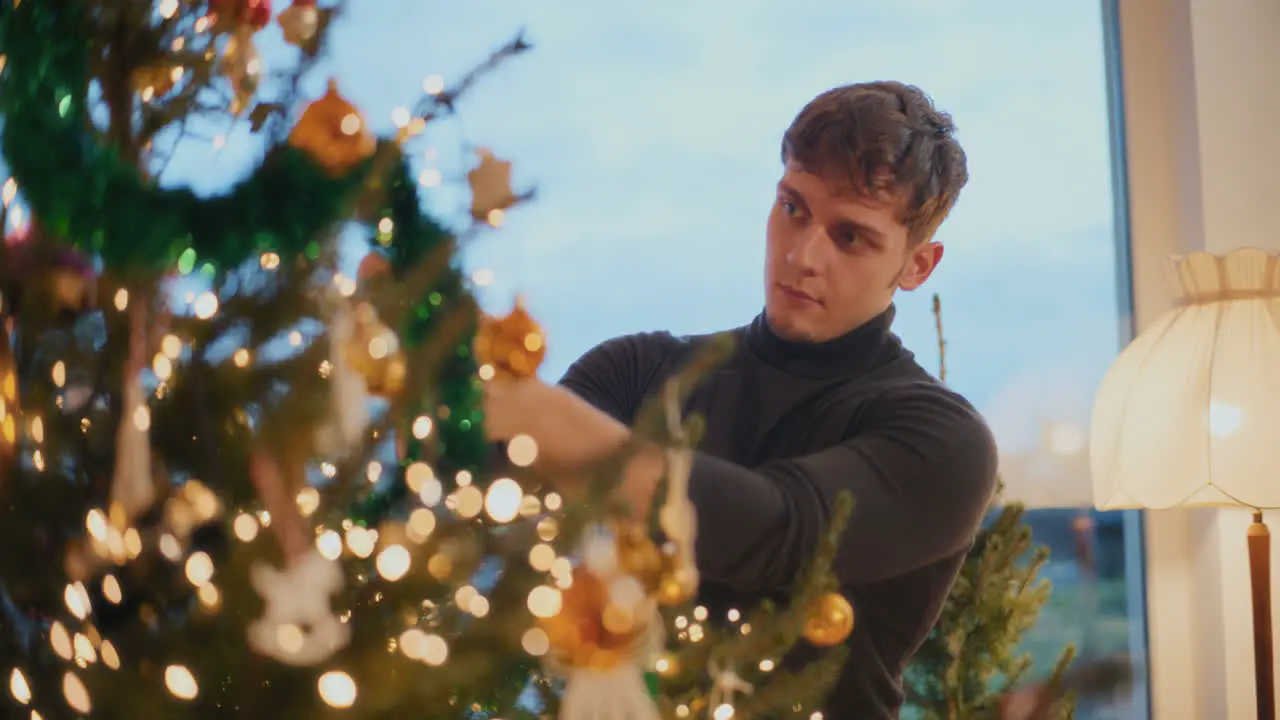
[[1189, 414]]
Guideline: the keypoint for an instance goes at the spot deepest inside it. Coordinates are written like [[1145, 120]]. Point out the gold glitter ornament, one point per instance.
[[513, 346], [374, 353], [830, 620], [334, 133]]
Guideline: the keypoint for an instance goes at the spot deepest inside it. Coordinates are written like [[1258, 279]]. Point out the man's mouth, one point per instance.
[[797, 293]]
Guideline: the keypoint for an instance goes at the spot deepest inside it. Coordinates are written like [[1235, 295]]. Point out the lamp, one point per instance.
[[1189, 414]]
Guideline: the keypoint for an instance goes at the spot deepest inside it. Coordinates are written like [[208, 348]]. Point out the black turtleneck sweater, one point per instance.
[[789, 426]]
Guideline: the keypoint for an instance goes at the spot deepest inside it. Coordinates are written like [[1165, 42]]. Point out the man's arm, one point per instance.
[[921, 470]]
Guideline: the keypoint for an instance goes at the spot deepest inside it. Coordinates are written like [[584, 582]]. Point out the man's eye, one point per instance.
[[848, 237], [789, 207]]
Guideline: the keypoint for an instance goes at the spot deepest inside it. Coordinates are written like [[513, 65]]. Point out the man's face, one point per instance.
[[835, 258]]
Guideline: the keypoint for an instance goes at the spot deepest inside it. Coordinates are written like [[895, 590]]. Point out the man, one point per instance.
[[820, 397]]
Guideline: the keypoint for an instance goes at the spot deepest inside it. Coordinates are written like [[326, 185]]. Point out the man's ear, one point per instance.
[[920, 264]]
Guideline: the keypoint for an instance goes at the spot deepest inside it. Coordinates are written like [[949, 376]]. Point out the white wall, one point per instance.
[[1202, 113]]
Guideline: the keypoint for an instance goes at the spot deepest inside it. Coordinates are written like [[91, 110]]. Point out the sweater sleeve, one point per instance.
[[921, 468], [615, 375]]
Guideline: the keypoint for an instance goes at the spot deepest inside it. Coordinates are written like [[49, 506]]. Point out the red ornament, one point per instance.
[[235, 13], [257, 13]]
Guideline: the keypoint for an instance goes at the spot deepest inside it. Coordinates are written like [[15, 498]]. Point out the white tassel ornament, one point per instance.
[[132, 489]]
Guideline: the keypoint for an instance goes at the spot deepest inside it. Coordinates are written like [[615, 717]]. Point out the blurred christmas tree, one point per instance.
[[234, 481], [971, 661]]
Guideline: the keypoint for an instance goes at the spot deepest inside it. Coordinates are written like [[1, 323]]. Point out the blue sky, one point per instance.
[[651, 130]]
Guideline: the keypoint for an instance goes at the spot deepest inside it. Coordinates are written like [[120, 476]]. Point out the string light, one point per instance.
[[435, 650], [84, 652], [75, 693], [60, 640], [171, 346], [110, 657], [421, 427], [18, 687], [393, 562], [545, 601], [535, 641], [522, 450], [209, 596], [502, 500], [351, 124], [361, 541], [468, 502], [199, 568], [337, 689], [180, 682], [329, 545], [111, 590], [77, 599], [552, 501], [245, 527], [206, 305], [541, 557], [420, 525], [548, 528]]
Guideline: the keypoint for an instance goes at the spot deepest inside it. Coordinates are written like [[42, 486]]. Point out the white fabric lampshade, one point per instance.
[[1189, 414]]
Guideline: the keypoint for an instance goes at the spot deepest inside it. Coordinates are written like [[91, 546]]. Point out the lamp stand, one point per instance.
[[1260, 584]]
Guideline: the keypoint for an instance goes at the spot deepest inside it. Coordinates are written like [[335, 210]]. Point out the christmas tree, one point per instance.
[[971, 662], [236, 482]]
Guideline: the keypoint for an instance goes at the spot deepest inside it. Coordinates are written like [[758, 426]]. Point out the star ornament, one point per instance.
[[490, 186]]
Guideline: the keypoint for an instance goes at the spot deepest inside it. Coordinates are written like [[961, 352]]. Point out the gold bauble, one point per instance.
[[374, 353], [579, 633], [830, 620], [333, 133], [639, 557], [513, 346], [676, 588], [193, 505]]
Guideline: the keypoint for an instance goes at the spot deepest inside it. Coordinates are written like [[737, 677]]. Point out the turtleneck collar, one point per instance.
[[865, 347]]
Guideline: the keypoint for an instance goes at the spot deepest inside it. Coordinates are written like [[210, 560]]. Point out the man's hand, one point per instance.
[[570, 434]]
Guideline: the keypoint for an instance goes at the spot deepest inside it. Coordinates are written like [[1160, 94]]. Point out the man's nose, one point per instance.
[[806, 250]]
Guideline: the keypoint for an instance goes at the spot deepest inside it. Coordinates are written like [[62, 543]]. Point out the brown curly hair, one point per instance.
[[885, 140]]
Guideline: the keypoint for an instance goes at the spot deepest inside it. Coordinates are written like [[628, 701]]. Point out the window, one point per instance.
[[651, 131]]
